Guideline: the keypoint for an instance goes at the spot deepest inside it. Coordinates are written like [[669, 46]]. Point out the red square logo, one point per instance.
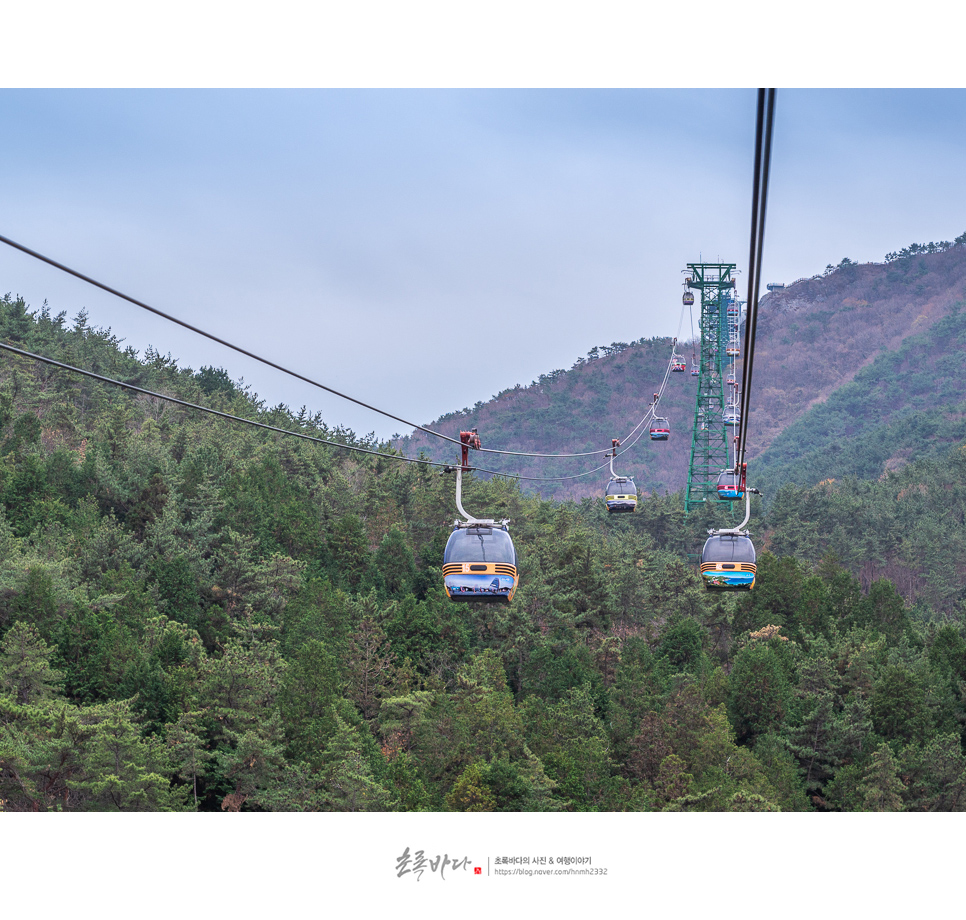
[[477, 870]]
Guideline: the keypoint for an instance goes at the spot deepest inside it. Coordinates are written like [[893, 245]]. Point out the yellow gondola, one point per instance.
[[480, 560], [480, 563], [621, 493]]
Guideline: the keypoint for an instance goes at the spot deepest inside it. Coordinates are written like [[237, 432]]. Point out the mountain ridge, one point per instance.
[[814, 337]]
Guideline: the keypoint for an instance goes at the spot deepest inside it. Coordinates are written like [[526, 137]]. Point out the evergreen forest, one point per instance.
[[196, 615]]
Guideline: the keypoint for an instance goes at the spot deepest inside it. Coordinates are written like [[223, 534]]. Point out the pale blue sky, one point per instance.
[[424, 249]]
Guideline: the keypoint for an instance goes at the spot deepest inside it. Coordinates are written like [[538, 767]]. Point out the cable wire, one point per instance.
[[680, 323], [763, 135], [639, 425], [249, 354], [215, 338], [254, 424]]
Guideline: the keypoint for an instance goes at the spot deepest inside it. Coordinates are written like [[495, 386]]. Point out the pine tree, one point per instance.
[[122, 771], [394, 564], [187, 750], [349, 781], [759, 692], [881, 787], [369, 667], [471, 791], [25, 670]]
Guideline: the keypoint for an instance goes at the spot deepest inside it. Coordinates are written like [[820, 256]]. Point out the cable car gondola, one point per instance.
[[621, 494], [660, 429], [688, 299], [480, 560], [678, 365], [732, 417], [731, 486], [480, 563], [695, 371], [728, 562]]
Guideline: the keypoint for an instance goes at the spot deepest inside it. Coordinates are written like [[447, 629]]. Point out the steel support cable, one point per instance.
[[215, 338], [765, 173], [640, 424], [763, 136], [650, 411], [521, 453], [751, 336], [596, 469], [254, 424], [208, 335], [589, 453], [207, 409], [638, 427], [637, 437], [516, 453], [680, 323], [649, 415], [640, 434], [753, 249]]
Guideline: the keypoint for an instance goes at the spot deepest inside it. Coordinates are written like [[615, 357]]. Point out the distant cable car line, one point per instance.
[[592, 453], [251, 422], [214, 338]]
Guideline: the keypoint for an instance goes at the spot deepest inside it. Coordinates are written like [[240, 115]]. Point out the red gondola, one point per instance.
[[731, 485]]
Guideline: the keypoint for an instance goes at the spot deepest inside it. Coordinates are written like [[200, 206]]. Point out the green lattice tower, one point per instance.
[[709, 445]]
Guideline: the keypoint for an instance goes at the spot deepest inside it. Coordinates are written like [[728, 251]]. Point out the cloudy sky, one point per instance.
[[424, 249]]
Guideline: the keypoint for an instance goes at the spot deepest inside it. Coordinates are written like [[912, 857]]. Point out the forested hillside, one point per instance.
[[909, 402], [199, 615], [603, 396], [856, 370]]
